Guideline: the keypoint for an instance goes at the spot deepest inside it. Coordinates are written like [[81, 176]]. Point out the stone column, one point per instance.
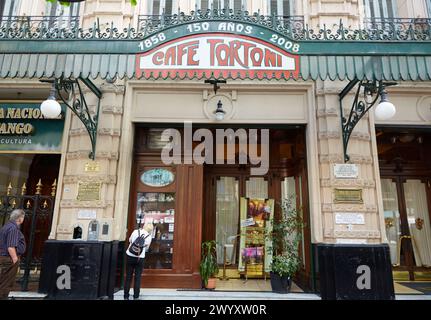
[[79, 169], [346, 247]]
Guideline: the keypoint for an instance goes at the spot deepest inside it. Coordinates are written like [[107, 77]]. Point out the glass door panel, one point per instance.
[[256, 188], [156, 210], [227, 218], [418, 220], [392, 218]]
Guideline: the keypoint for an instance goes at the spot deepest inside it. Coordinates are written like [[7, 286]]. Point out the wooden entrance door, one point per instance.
[[404, 158], [224, 185], [406, 203]]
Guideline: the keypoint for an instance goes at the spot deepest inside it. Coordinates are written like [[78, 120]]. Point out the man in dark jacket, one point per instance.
[[12, 246]]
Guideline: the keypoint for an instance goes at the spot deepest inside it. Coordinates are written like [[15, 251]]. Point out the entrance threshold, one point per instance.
[[173, 294], [235, 282]]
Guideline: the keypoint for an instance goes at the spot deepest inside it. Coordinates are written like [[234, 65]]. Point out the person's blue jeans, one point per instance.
[[134, 266]]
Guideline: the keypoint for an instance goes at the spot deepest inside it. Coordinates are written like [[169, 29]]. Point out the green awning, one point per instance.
[[407, 68], [295, 52]]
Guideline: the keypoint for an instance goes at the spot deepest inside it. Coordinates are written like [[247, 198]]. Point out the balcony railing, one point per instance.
[[40, 22], [418, 25], [151, 23]]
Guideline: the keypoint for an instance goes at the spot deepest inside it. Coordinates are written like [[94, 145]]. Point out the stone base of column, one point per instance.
[[93, 269], [354, 272]]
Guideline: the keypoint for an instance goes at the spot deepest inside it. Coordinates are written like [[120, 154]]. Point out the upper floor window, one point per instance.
[[158, 7], [380, 8], [280, 7], [56, 9], [429, 8], [9, 8], [235, 5], [59, 16]]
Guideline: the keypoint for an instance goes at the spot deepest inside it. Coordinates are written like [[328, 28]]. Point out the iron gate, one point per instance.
[[36, 226]]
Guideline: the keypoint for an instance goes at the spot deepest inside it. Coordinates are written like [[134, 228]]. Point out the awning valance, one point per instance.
[[407, 68]]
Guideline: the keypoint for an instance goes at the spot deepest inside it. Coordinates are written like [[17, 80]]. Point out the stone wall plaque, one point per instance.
[[87, 214], [346, 171], [349, 218], [348, 196], [88, 191], [92, 166]]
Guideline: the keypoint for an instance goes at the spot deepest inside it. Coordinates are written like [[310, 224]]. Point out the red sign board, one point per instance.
[[218, 55]]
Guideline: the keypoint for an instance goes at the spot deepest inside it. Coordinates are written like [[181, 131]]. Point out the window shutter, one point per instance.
[[217, 4], [168, 7], [286, 8], [204, 5], [2, 3], [156, 7], [273, 7]]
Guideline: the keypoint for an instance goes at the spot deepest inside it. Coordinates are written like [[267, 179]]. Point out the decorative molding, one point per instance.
[[100, 131], [331, 158], [329, 135], [357, 135], [362, 183], [360, 234], [107, 179], [64, 229], [338, 158], [328, 91], [423, 108], [337, 135], [83, 154], [102, 204], [110, 109], [357, 234], [354, 207], [361, 159], [326, 113]]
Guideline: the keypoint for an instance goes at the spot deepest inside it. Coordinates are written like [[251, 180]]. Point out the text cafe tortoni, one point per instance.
[[198, 52]]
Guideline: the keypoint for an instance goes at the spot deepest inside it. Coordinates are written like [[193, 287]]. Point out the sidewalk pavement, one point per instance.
[[173, 294]]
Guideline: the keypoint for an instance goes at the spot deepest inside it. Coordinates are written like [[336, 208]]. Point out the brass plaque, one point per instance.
[[88, 191], [348, 196], [92, 166]]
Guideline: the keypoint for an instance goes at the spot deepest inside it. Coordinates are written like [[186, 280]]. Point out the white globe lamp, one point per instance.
[[50, 108], [219, 113], [385, 110]]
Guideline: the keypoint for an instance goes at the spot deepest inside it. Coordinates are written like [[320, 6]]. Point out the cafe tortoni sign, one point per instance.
[[219, 49]]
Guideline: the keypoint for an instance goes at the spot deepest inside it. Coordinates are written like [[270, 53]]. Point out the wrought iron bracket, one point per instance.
[[71, 94], [367, 94], [215, 83]]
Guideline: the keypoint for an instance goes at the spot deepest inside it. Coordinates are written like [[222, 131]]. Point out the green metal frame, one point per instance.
[[360, 106], [70, 92]]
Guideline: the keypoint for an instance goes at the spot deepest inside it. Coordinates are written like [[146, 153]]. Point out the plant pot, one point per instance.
[[211, 283], [280, 284]]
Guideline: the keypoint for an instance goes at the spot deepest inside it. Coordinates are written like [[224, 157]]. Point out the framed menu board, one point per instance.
[[255, 249]]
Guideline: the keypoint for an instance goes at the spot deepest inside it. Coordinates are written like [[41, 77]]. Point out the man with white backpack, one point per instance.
[[139, 242]]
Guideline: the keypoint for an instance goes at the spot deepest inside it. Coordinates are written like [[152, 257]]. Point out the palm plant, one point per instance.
[[208, 267]]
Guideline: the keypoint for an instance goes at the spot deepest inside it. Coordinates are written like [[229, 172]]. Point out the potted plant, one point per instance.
[[208, 267], [285, 238]]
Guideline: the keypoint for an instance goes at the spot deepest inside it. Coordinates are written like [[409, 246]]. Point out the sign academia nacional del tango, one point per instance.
[[218, 49]]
